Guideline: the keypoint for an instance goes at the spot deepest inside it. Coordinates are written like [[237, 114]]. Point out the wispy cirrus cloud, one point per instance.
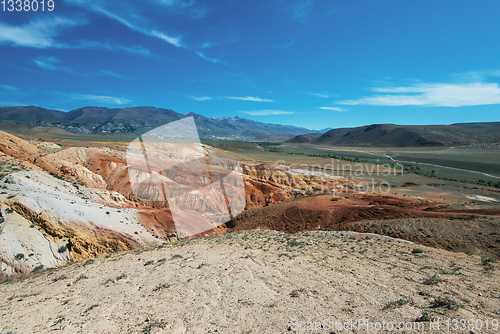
[[51, 63], [194, 97], [284, 46], [9, 88], [320, 95], [267, 112], [42, 33], [38, 33], [249, 98], [101, 99], [133, 21], [333, 109], [202, 98], [433, 95], [113, 74], [130, 14], [193, 9], [301, 10], [135, 49], [202, 55]]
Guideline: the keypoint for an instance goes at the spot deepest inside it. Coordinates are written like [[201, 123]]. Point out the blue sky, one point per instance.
[[308, 63]]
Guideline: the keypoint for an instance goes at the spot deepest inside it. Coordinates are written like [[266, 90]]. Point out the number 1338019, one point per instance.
[[27, 5]]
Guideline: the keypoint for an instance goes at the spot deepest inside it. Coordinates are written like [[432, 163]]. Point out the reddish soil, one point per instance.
[[387, 215]]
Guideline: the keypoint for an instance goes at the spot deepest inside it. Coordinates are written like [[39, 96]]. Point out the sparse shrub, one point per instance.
[[19, 256], [423, 317], [434, 280], [486, 260], [62, 249], [89, 261], [38, 268], [62, 277], [79, 278], [148, 328], [453, 271], [295, 243], [417, 251], [161, 287], [296, 293], [424, 293], [394, 304], [122, 276], [445, 302]]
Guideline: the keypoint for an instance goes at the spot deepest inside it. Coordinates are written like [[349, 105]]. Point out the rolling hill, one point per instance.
[[412, 135]]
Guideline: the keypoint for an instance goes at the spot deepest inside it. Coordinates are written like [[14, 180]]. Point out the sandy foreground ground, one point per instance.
[[261, 281]]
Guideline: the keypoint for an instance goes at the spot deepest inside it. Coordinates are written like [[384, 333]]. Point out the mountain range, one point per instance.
[[137, 120], [99, 120]]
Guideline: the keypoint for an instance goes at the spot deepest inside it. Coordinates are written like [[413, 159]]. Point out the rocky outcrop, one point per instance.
[[77, 203], [47, 221]]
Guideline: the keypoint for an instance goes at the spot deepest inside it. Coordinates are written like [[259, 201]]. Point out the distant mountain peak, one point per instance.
[[101, 120]]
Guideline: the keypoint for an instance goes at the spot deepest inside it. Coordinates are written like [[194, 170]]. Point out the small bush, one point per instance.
[[485, 260], [161, 287], [62, 249], [394, 304], [445, 302], [82, 276], [295, 243], [417, 251], [19, 256], [434, 280], [89, 261], [423, 317], [38, 268], [59, 278]]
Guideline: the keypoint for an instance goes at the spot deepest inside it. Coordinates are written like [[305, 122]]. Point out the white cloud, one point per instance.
[[207, 58], [267, 112], [174, 40], [433, 94], [301, 10], [284, 46], [51, 63], [333, 108], [202, 98], [9, 88], [113, 74], [99, 98], [136, 49], [139, 25], [41, 33], [321, 95], [38, 33], [249, 98]]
